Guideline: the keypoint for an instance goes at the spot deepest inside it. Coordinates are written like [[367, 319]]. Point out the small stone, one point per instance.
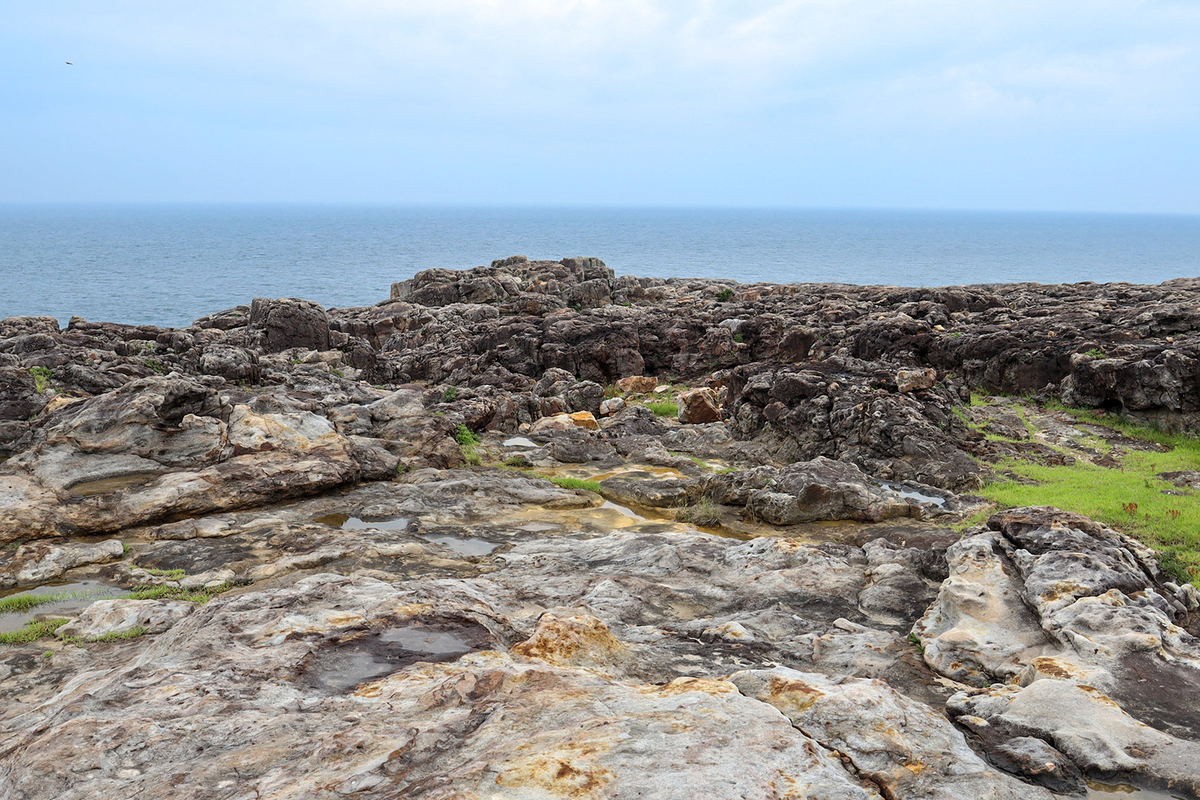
[[611, 406], [637, 384], [911, 380], [699, 406], [584, 419], [557, 422], [123, 615]]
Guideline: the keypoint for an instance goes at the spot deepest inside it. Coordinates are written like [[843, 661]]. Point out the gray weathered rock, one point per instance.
[[116, 617]]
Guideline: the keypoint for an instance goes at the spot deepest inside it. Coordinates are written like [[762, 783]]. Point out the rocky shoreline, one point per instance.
[[536, 530]]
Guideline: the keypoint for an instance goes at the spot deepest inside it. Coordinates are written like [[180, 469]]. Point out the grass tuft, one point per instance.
[[115, 636], [664, 409], [463, 436], [41, 378], [704, 513], [18, 603], [468, 445], [575, 483], [37, 629], [170, 574]]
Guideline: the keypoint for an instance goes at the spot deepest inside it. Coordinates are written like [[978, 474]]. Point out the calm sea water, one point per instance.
[[167, 265]]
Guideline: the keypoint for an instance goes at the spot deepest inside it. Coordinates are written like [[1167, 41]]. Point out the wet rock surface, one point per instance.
[[354, 578]]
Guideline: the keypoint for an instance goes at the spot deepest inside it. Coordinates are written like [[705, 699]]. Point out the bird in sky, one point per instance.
[[69, 64]]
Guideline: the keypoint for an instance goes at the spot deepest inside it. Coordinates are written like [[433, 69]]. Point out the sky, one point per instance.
[[1060, 105]]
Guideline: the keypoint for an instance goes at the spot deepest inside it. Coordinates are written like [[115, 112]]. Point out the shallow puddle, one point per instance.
[[106, 485], [913, 494], [538, 527], [1113, 791], [519, 441], [463, 545], [69, 597], [349, 523], [383, 652], [591, 473]]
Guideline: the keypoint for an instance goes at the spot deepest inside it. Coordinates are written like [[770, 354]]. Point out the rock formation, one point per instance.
[[537, 530]]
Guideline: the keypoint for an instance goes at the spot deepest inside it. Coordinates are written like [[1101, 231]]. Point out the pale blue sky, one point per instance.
[[1085, 105]]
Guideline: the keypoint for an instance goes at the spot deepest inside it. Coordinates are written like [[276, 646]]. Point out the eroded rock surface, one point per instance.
[[356, 580]]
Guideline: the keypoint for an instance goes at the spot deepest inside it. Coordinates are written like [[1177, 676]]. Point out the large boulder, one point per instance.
[[286, 323]]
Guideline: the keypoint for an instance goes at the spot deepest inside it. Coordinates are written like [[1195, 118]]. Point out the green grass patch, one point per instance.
[[664, 409], [37, 629], [18, 603], [1131, 429], [200, 596], [449, 394], [1130, 498], [978, 398], [575, 483]]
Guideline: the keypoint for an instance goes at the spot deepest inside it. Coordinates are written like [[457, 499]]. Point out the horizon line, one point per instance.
[[398, 204]]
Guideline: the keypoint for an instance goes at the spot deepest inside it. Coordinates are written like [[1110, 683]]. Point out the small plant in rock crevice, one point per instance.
[[725, 295], [465, 437], [450, 394], [115, 636], [170, 574], [41, 378], [468, 445], [704, 513]]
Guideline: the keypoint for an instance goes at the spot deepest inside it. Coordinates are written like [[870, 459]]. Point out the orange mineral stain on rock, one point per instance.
[[1048, 667], [566, 771], [584, 419], [790, 696], [686, 685], [582, 640]]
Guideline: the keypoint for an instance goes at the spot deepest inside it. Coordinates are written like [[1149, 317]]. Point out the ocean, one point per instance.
[[169, 264]]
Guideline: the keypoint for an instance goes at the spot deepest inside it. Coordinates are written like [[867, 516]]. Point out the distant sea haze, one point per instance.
[[168, 265]]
